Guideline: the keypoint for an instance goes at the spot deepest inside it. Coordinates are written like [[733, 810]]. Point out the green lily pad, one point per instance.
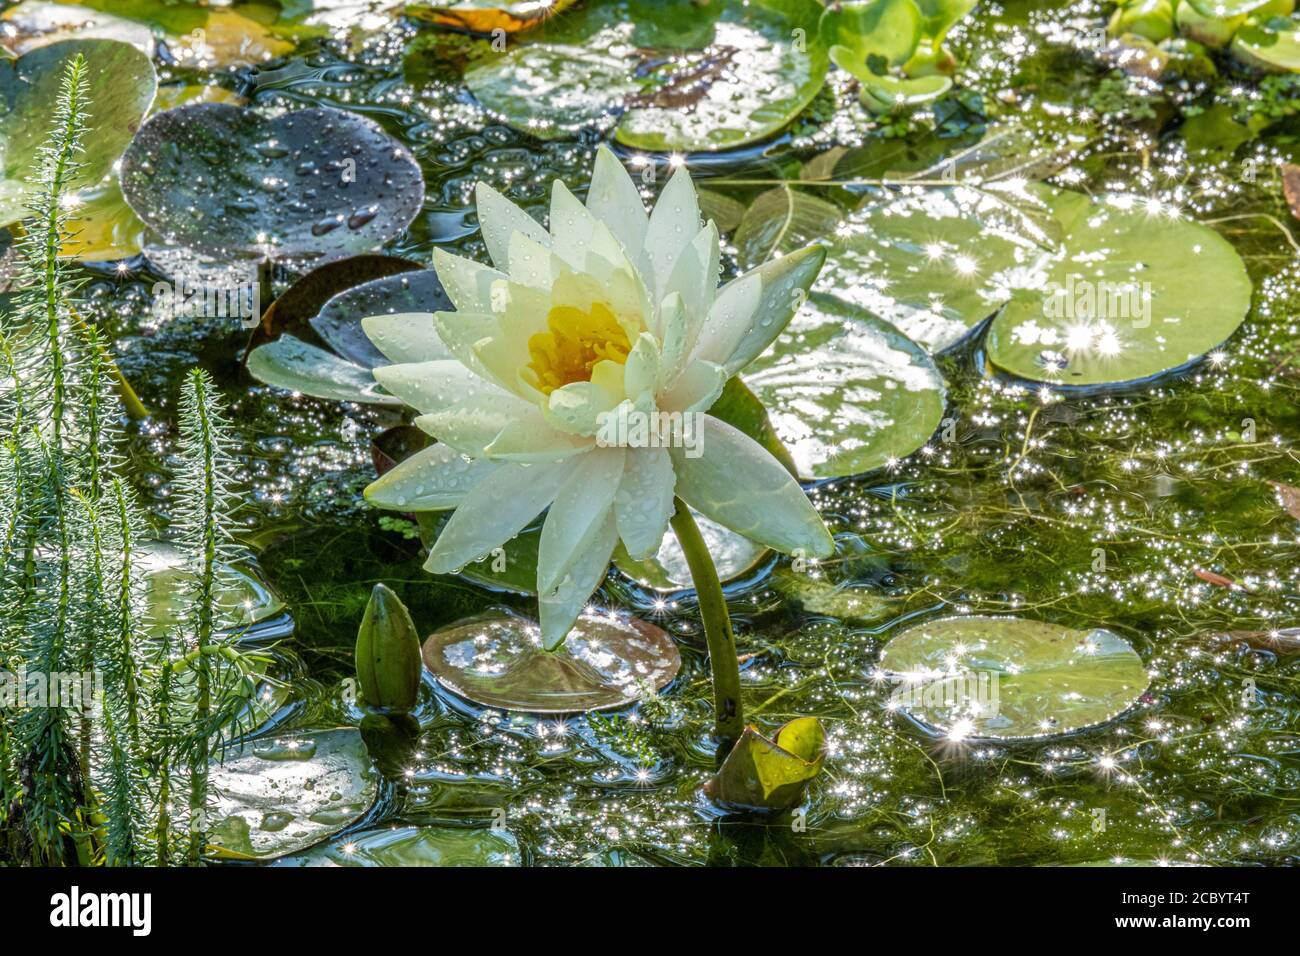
[[733, 555], [940, 16], [770, 775], [754, 92], [1007, 678], [936, 263], [203, 35], [888, 93], [846, 392], [1124, 298], [242, 601], [414, 846], [1261, 46], [120, 85], [497, 660], [276, 795], [34, 23], [1225, 8], [764, 65], [872, 32], [484, 16], [316, 184], [782, 220]]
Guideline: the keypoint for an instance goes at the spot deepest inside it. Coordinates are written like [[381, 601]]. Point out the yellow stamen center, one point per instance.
[[577, 340]]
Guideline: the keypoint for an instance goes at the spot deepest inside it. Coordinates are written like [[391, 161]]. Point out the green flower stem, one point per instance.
[[728, 710]]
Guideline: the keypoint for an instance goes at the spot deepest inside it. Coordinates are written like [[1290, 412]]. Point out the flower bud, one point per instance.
[[388, 653]]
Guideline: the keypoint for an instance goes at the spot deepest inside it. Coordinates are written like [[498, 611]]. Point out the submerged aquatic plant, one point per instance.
[[577, 376]]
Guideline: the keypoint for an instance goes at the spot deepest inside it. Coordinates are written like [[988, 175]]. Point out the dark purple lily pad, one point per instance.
[[316, 184], [497, 659], [339, 320]]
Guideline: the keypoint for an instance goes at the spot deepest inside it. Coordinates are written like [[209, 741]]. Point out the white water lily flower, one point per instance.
[[613, 314]]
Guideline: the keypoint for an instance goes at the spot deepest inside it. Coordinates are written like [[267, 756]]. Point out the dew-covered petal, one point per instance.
[[532, 263], [614, 199], [444, 383], [531, 438], [433, 479], [696, 389], [462, 332], [695, 276], [571, 226], [559, 608], [644, 503], [674, 223], [786, 282], [467, 283], [739, 485], [577, 407], [641, 370], [728, 318], [577, 514], [499, 219], [406, 337], [494, 511]]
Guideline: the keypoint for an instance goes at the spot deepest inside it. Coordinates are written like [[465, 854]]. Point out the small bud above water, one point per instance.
[[388, 653]]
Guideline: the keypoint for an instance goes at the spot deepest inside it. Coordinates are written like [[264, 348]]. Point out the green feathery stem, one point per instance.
[[203, 510]]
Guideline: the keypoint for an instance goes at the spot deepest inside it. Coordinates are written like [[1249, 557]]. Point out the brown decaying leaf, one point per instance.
[[1212, 577], [1291, 187], [1288, 497]]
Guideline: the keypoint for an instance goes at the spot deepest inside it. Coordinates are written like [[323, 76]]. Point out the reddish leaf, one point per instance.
[[1288, 497], [1291, 187], [1216, 579]]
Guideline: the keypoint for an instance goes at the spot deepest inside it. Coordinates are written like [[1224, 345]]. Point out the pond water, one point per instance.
[[1146, 511]]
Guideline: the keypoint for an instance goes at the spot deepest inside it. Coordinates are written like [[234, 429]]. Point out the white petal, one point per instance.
[[494, 511], [406, 337], [577, 514], [445, 383], [614, 199], [740, 486], [674, 223], [696, 389], [462, 331], [728, 319], [467, 283], [571, 226], [499, 219], [577, 408], [644, 502], [786, 282], [695, 275], [433, 479], [641, 371], [532, 263], [531, 438], [677, 344], [560, 607]]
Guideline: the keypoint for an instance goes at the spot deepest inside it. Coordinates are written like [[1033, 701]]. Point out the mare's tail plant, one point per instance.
[[206, 501]]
